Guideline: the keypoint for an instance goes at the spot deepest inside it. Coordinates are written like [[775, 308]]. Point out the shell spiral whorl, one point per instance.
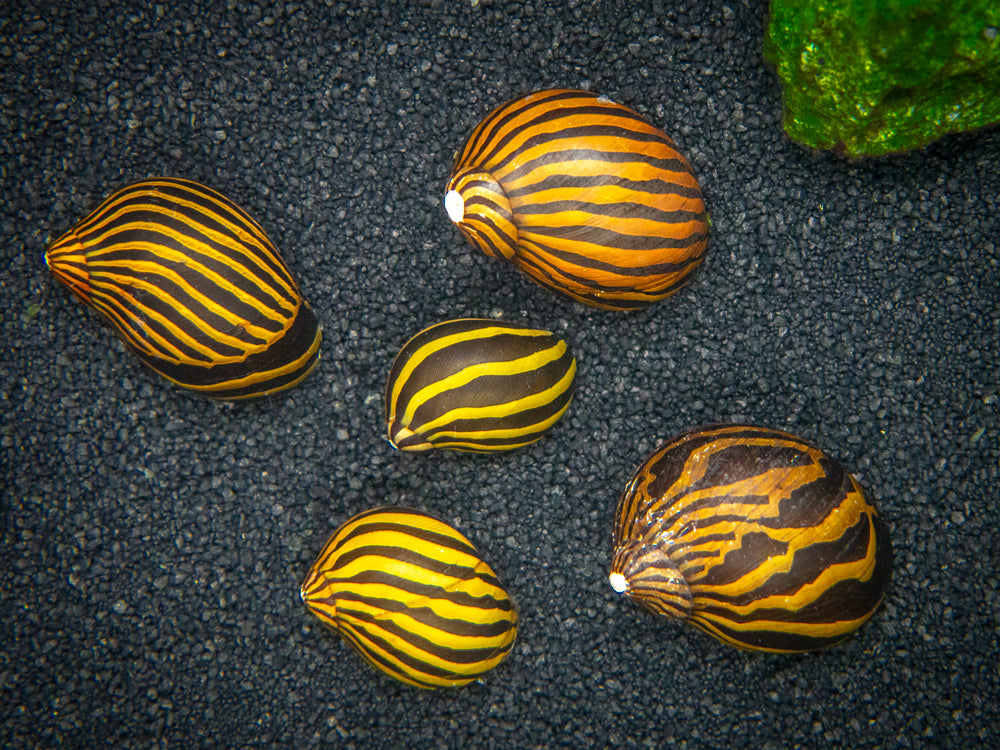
[[645, 573], [478, 205]]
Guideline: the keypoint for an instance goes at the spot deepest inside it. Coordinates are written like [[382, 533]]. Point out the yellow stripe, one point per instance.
[[424, 522], [279, 293], [828, 630], [435, 345], [502, 410], [476, 437], [257, 239], [137, 332], [467, 375], [103, 289], [408, 619], [413, 675], [260, 377]]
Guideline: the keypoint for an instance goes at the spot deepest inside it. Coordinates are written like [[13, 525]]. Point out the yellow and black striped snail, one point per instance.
[[477, 385], [413, 597], [193, 286], [754, 536], [583, 195]]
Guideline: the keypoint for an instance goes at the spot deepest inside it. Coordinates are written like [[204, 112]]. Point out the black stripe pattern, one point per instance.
[[477, 385], [194, 287], [754, 536], [583, 195], [414, 598]]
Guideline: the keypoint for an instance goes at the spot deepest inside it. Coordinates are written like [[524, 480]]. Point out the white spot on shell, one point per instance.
[[604, 100], [618, 583], [454, 204]]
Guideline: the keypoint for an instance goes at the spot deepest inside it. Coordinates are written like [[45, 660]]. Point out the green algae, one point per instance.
[[870, 77]]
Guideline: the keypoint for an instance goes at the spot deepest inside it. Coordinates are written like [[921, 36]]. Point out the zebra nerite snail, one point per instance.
[[193, 286], [583, 195], [754, 536], [413, 597], [477, 385]]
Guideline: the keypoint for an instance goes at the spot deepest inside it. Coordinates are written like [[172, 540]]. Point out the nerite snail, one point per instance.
[[754, 536], [193, 286], [477, 385], [413, 597], [583, 195]]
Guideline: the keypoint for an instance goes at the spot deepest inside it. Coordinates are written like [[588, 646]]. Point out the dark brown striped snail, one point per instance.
[[583, 195], [477, 385], [413, 597], [754, 536], [194, 287]]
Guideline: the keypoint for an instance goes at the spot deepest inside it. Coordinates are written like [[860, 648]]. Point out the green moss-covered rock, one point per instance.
[[876, 76]]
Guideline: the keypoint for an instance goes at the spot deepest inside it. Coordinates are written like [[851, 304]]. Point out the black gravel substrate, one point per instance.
[[153, 542]]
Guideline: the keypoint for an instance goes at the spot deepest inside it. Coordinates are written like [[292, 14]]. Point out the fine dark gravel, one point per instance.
[[153, 542]]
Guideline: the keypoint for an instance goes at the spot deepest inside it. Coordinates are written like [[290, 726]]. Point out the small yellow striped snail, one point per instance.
[[477, 385], [584, 196], [413, 597], [193, 286], [754, 536]]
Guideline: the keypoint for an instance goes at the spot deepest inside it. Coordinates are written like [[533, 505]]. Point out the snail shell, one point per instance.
[[477, 385], [193, 286], [754, 536], [583, 195], [413, 597]]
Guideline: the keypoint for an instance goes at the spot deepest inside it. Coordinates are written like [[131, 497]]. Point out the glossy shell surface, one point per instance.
[[477, 385], [754, 536], [583, 195], [413, 597], [194, 287]]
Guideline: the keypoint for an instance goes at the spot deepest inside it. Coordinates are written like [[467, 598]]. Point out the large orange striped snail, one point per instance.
[[583, 195]]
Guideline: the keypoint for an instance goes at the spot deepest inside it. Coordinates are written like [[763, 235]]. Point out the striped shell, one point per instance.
[[754, 536], [583, 195], [477, 385], [413, 597], [194, 287]]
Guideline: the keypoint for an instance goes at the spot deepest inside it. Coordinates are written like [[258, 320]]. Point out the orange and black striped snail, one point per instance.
[[193, 286], [583, 195], [477, 385], [754, 536], [414, 598]]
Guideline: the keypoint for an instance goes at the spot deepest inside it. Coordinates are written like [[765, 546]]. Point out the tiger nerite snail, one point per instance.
[[584, 196], [413, 597], [193, 286], [754, 536], [477, 385]]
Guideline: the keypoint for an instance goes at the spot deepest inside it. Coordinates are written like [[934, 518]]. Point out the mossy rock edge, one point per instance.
[[871, 77]]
